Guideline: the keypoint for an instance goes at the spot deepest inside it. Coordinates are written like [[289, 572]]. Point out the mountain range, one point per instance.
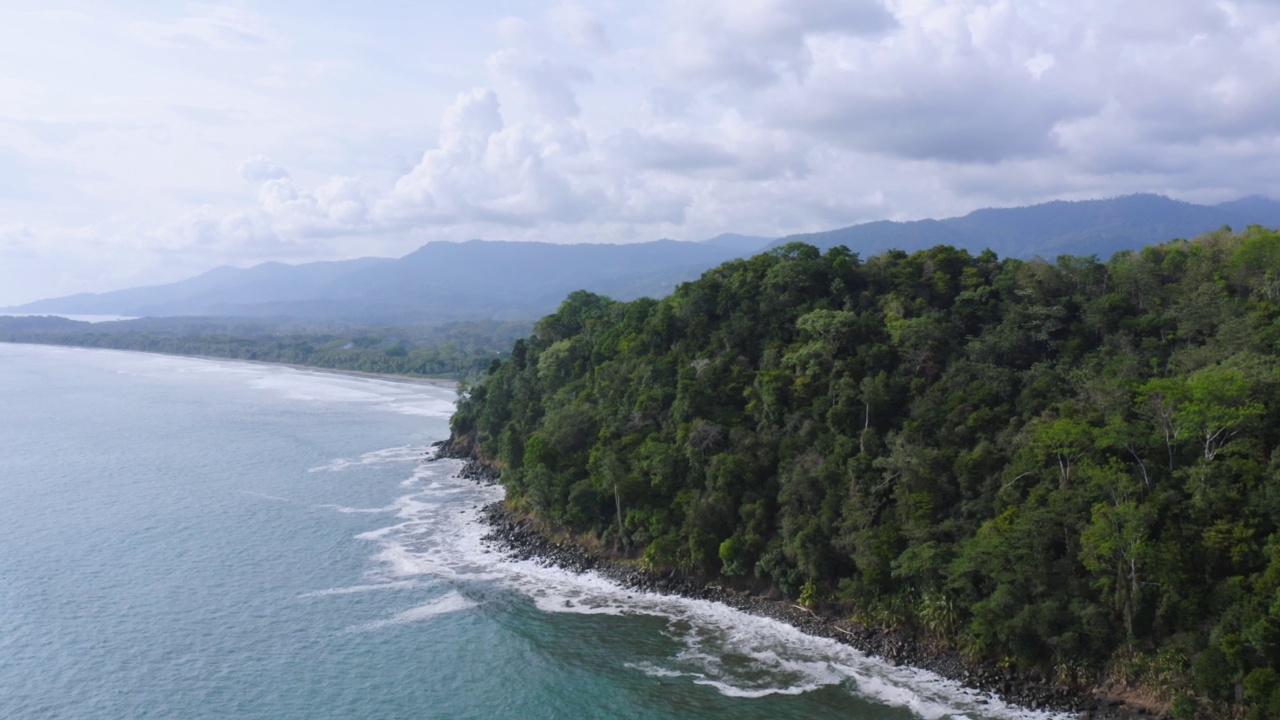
[[1084, 227], [442, 282], [439, 282]]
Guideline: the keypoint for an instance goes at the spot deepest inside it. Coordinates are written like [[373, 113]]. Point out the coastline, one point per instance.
[[392, 377], [415, 379], [524, 539]]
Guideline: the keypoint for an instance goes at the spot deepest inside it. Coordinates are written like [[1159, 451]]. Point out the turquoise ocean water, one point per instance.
[[190, 539]]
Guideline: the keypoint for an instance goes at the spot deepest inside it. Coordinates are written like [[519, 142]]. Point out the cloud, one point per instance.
[[486, 171], [203, 115], [212, 26], [472, 118], [604, 121], [339, 206], [211, 232], [926, 81], [959, 113], [483, 172], [260, 169], [66, 16], [757, 43], [580, 26], [288, 220], [287, 75], [776, 116], [19, 95], [729, 149], [18, 241], [977, 81], [546, 84], [654, 151], [1039, 64]]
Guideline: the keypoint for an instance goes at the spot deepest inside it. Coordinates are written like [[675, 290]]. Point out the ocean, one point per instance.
[[184, 538]]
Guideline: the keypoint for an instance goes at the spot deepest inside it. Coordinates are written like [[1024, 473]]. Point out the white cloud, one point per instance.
[[760, 42], [301, 74], [18, 241], [729, 149], [214, 26], [836, 113], [605, 121], [18, 91], [577, 24], [1039, 64], [486, 171], [261, 168], [548, 86], [209, 232]]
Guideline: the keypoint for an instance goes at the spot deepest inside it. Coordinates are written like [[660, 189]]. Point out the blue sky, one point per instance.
[[147, 141]]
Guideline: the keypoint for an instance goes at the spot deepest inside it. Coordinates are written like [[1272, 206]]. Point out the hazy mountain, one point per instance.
[[744, 244], [442, 282], [508, 280], [1087, 227], [1265, 211], [266, 283], [438, 282]]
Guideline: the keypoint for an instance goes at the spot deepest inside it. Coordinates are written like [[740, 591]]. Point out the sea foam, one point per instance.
[[440, 535], [372, 587], [450, 603]]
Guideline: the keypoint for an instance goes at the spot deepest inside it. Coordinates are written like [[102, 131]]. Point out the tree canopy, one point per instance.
[[1072, 467]]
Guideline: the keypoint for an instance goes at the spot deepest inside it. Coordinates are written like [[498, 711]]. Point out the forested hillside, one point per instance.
[[1068, 467]]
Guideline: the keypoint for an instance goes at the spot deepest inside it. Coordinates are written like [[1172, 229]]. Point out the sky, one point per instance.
[[148, 141]]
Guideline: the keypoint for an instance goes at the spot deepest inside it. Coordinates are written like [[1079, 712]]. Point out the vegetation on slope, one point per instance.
[[1072, 468]]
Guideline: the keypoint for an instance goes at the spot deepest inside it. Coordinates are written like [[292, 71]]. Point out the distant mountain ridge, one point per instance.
[[270, 282], [439, 282], [444, 282], [747, 244], [1082, 227]]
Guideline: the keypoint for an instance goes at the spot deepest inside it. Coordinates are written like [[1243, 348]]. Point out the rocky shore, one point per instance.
[[521, 539]]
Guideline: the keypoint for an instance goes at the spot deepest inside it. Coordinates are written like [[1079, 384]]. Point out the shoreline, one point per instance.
[[390, 377], [522, 539]]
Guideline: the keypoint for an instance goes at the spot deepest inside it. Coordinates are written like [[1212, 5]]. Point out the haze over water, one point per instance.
[[200, 539]]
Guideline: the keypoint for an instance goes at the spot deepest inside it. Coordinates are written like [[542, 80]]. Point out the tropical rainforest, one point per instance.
[[1069, 468]]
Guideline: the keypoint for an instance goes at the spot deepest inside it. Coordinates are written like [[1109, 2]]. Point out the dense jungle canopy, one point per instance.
[[1071, 467]]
